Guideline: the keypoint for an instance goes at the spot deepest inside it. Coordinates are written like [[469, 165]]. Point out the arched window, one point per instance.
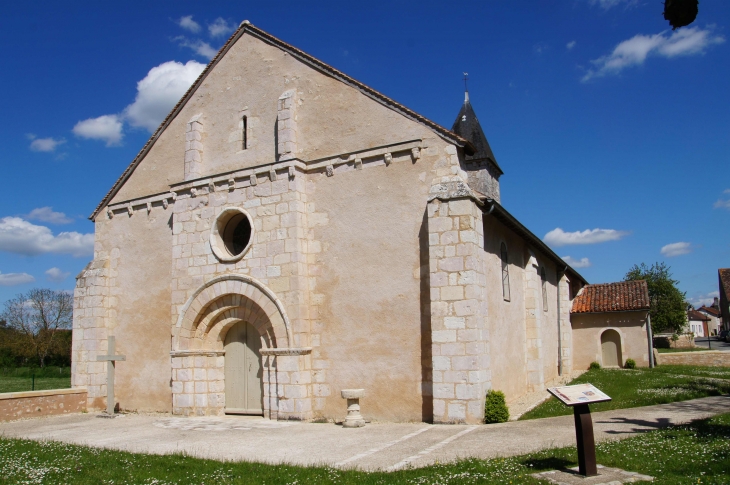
[[245, 132], [543, 279], [505, 271]]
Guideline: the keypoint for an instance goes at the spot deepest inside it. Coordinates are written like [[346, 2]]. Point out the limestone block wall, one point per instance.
[[460, 335], [92, 302], [533, 324], [277, 259], [194, 147], [198, 386], [566, 331]]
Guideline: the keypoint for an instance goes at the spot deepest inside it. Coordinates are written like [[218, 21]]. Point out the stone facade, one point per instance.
[[373, 259]]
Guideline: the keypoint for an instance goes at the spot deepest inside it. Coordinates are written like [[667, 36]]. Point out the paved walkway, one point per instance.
[[376, 446]]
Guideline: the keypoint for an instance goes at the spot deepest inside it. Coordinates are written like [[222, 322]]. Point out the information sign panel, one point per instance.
[[578, 394]]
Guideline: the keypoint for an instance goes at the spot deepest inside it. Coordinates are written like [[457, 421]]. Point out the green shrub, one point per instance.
[[594, 366], [630, 364], [495, 408]]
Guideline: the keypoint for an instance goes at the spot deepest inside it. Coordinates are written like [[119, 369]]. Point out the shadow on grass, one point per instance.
[[548, 463], [646, 425]]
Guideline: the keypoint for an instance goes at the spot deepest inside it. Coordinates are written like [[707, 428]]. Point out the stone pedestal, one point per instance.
[[354, 418]]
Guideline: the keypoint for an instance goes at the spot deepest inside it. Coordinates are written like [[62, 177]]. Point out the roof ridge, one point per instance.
[[247, 26]]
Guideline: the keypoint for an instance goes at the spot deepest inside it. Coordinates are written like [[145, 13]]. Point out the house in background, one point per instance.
[[713, 313], [724, 283], [609, 324], [698, 323]]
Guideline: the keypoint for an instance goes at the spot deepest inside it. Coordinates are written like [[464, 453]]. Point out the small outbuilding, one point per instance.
[[609, 324]]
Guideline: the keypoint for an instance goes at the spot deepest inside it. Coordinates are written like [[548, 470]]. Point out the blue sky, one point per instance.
[[612, 130]]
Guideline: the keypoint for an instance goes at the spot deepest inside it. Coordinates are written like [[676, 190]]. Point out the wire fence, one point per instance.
[[21, 379]]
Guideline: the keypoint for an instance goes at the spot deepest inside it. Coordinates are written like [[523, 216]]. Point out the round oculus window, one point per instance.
[[231, 234]]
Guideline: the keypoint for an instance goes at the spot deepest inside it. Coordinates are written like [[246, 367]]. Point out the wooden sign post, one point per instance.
[[110, 358], [579, 397]]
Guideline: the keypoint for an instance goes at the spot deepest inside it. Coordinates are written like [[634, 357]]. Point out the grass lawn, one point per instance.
[[698, 453], [20, 379], [691, 349], [644, 387]]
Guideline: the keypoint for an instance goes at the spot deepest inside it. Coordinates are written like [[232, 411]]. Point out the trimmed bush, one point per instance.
[[594, 366], [495, 408], [630, 364]]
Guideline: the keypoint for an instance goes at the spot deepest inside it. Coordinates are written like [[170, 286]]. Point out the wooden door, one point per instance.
[[611, 349], [243, 370]]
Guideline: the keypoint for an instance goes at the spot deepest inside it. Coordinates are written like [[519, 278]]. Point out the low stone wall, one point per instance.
[[34, 404], [664, 341], [711, 358]]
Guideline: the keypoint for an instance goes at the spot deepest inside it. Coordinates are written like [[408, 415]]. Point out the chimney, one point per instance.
[[716, 303]]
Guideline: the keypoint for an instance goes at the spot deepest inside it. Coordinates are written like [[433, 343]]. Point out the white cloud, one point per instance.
[[570, 45], [22, 237], [45, 144], [608, 4], [558, 237], [723, 204], [220, 27], [107, 128], [577, 263], [706, 299], [14, 279], [47, 214], [187, 23], [201, 48], [159, 91], [676, 249], [634, 51], [56, 275]]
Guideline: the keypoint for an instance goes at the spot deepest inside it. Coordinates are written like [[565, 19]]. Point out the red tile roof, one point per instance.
[[612, 297], [695, 315], [724, 274], [712, 311]]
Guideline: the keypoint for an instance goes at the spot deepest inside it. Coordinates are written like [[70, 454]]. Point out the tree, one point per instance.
[[37, 318], [667, 303]]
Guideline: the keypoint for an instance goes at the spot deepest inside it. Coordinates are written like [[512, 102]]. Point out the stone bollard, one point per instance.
[[354, 418]]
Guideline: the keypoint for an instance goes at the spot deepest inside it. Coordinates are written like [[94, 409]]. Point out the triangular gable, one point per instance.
[[247, 27]]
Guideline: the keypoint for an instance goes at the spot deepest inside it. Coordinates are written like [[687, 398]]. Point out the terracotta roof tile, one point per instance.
[[712, 311], [695, 315], [724, 274], [612, 297]]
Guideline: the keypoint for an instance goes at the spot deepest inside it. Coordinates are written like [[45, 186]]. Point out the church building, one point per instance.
[[289, 232]]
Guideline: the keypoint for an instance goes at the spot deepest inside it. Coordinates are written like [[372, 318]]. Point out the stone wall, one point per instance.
[[35, 404], [710, 358], [460, 335]]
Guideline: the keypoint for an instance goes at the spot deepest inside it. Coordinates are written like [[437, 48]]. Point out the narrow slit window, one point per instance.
[[245, 132], [543, 279], [505, 271]]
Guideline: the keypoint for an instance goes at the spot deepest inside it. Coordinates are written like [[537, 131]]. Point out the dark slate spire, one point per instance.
[[467, 126]]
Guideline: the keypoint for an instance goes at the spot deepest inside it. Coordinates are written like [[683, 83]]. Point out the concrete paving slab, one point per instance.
[[384, 446]]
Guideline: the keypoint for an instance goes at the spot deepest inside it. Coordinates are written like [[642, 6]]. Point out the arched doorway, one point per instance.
[[243, 370], [611, 349]]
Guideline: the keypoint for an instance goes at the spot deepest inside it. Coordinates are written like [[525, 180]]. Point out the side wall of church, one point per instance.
[[126, 288]]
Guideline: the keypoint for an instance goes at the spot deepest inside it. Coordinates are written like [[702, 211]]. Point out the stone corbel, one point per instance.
[[330, 170], [231, 184], [388, 159], [292, 172], [110, 213], [253, 179], [164, 203], [211, 187], [193, 192], [358, 164], [415, 154], [272, 174], [149, 207], [130, 209]]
